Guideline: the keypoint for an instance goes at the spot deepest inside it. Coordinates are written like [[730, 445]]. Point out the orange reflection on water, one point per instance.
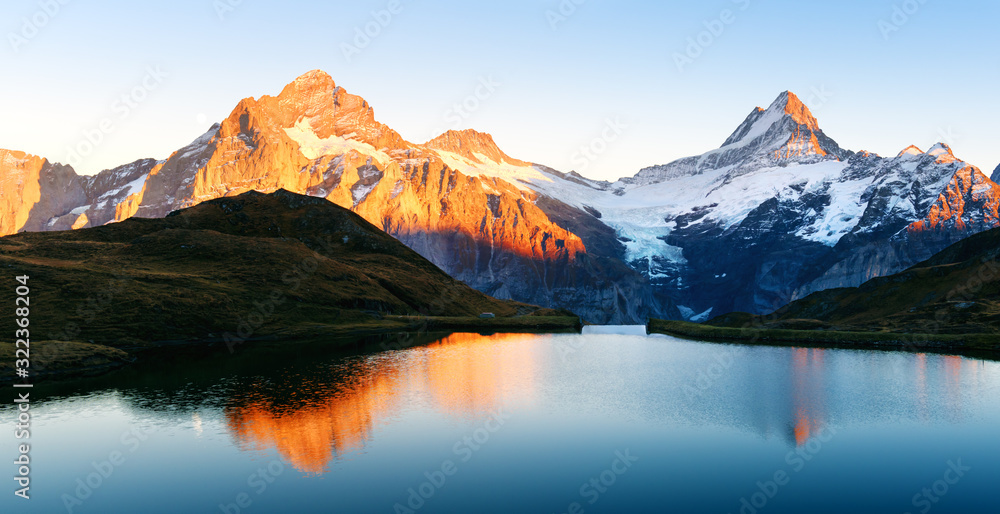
[[953, 376], [922, 386], [462, 374], [470, 374], [808, 403], [309, 436]]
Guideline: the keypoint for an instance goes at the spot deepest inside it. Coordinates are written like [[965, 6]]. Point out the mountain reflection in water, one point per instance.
[[313, 419]]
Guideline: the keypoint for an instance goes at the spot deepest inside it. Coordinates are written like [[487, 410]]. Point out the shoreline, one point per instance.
[[74, 359], [962, 344]]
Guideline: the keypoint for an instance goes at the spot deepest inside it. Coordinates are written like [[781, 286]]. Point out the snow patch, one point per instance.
[[689, 315], [759, 128], [312, 147], [698, 318], [518, 176], [135, 186], [360, 191]]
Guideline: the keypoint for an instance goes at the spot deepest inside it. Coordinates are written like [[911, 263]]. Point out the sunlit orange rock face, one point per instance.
[[799, 112], [464, 375], [19, 188], [969, 203], [35, 192], [315, 138], [800, 143], [458, 200], [803, 140], [469, 143]]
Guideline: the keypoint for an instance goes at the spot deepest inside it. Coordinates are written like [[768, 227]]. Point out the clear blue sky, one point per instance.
[[935, 78]]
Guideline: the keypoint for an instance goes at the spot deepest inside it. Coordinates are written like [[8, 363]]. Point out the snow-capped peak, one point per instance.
[[940, 149], [942, 152], [761, 120], [797, 110], [785, 133]]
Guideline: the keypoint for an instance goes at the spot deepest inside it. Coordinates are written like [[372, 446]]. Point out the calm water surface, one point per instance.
[[523, 423]]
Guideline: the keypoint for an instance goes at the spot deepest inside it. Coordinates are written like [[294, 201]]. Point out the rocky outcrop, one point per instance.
[[968, 204], [36, 194]]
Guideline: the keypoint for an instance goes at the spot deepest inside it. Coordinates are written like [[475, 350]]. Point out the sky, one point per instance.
[[635, 83]]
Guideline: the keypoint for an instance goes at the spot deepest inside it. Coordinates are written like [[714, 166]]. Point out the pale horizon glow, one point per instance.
[[543, 92]]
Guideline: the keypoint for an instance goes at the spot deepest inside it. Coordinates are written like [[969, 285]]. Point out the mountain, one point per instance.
[[784, 133], [957, 291], [779, 211], [247, 265], [456, 200], [969, 201], [996, 174]]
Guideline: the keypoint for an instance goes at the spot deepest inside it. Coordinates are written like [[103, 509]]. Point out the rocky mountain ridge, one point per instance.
[[777, 212], [447, 199]]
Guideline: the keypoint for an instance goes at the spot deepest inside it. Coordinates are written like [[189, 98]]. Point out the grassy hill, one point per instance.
[[950, 301], [231, 270]]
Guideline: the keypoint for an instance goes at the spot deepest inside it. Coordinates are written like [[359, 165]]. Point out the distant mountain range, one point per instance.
[[779, 211], [957, 291]]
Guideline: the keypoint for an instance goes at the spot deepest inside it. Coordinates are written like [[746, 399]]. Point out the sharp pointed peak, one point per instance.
[[786, 106], [790, 103]]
